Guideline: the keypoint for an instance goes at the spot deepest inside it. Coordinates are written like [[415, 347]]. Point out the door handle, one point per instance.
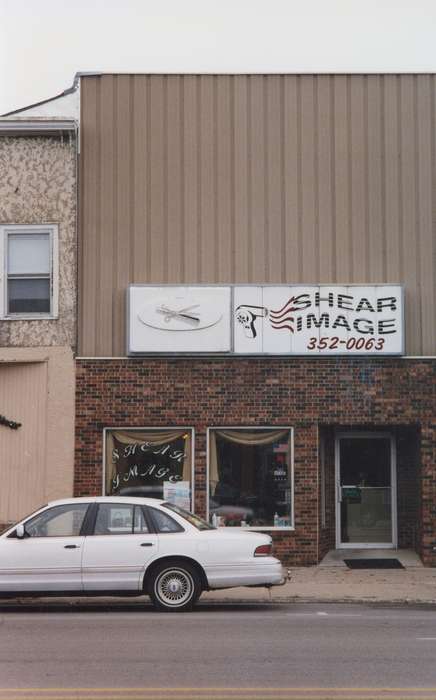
[[146, 544], [71, 546]]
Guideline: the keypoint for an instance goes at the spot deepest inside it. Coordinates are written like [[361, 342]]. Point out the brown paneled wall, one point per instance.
[[255, 178]]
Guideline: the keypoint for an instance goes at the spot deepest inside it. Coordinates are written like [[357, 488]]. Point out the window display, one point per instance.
[[250, 477], [149, 463]]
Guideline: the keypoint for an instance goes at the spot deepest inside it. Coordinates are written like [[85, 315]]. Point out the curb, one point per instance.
[[68, 603], [321, 601]]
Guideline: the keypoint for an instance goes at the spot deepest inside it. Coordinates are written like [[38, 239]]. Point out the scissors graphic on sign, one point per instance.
[[179, 313]]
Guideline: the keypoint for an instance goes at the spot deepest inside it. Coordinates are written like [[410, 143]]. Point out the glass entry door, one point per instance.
[[366, 488]]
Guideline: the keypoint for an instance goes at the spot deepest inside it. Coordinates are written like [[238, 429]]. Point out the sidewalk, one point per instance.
[[311, 584], [324, 584]]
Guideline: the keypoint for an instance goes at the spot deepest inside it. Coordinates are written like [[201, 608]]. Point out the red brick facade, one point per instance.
[[315, 396]]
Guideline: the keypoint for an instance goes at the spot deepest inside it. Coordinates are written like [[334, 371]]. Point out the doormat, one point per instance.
[[373, 564]]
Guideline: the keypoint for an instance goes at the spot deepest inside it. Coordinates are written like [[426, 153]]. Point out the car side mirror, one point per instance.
[[20, 531]]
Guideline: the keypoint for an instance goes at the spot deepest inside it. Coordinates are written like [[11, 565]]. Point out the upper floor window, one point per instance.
[[29, 257]]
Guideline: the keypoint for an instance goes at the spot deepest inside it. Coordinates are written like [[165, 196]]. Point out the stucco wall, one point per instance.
[[38, 186]]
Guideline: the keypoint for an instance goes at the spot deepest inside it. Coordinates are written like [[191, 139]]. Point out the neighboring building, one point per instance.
[[38, 196]]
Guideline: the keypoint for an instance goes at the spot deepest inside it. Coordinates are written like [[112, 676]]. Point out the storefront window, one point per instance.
[[250, 477], [150, 462]]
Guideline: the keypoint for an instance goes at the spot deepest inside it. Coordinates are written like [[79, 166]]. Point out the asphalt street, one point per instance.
[[286, 651]]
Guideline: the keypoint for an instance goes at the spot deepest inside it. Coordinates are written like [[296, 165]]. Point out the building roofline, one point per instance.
[[28, 127], [88, 74], [68, 91]]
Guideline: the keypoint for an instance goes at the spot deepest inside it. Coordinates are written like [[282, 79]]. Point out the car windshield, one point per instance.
[[197, 522]]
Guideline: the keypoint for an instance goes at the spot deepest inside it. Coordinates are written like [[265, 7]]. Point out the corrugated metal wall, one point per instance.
[[275, 178], [23, 452]]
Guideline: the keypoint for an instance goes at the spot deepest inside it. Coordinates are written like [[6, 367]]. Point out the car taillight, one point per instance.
[[264, 550]]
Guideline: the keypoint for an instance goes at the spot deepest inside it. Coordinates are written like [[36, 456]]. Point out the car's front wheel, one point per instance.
[[174, 587]]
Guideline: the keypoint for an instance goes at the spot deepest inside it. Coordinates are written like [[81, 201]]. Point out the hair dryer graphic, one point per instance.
[[246, 315]]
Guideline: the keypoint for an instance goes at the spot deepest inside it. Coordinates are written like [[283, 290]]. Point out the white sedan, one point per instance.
[[130, 546]]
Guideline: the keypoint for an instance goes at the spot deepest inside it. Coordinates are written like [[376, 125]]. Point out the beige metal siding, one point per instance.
[[23, 392], [277, 178]]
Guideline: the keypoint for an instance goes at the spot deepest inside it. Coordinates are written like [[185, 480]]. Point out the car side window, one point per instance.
[[119, 519], [163, 522], [59, 521]]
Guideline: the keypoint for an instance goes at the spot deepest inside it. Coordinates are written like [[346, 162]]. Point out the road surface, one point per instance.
[[89, 650]]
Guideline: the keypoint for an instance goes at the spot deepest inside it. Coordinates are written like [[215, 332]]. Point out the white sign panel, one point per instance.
[[318, 320], [257, 320], [178, 493], [178, 319]]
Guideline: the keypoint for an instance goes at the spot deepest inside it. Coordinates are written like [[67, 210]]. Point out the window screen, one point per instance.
[[28, 267]]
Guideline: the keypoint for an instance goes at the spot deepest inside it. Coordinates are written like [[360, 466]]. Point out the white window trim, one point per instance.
[[52, 230], [151, 427], [260, 528]]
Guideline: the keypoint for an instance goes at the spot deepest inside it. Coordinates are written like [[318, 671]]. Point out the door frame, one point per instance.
[[369, 545]]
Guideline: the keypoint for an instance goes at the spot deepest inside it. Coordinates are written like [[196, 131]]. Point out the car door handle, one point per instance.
[[146, 544], [71, 546]]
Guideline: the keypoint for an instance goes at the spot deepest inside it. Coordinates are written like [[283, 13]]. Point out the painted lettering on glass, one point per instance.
[[143, 466]]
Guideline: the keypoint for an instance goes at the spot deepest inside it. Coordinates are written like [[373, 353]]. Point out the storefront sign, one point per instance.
[[280, 320], [318, 320], [178, 319]]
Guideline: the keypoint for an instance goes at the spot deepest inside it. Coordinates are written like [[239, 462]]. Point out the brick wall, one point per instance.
[[306, 394], [327, 534]]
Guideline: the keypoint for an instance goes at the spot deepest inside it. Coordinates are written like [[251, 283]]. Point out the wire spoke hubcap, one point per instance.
[[174, 587]]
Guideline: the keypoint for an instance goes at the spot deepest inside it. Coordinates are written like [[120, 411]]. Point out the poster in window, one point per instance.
[[178, 493]]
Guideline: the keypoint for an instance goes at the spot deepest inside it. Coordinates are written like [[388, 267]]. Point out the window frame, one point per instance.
[[154, 429], [29, 229], [251, 428]]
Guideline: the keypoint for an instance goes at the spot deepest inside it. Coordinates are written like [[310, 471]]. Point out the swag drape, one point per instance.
[[240, 437]]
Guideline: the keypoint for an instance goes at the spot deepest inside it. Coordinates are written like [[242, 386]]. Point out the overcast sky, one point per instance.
[[43, 43]]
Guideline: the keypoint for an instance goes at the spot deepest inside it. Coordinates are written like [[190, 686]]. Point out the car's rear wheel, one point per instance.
[[174, 587]]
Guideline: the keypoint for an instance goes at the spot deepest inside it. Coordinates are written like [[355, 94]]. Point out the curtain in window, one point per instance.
[[240, 437], [154, 438]]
